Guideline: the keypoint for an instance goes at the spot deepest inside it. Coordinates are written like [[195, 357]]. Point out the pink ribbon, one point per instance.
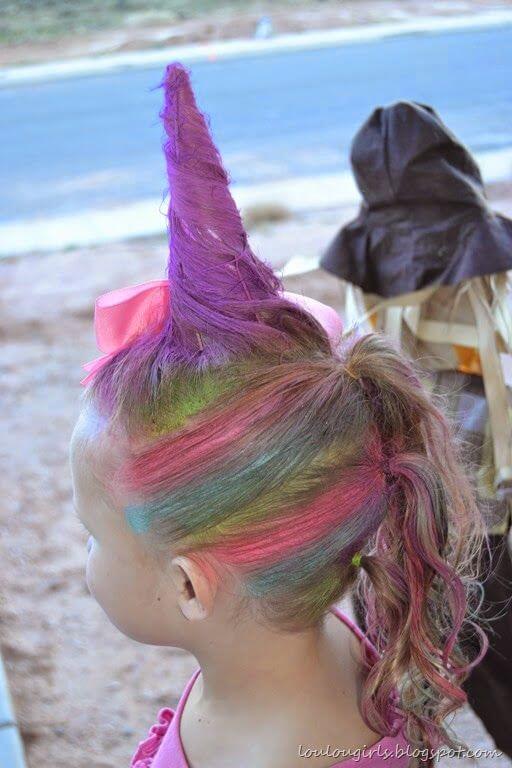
[[121, 316]]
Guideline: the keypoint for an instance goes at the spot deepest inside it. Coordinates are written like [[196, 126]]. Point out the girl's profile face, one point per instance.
[[124, 574]]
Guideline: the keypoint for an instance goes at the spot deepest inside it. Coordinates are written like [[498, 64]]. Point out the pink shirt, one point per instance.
[[163, 747]]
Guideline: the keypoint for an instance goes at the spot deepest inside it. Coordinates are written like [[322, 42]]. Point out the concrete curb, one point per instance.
[[146, 218], [225, 49], [11, 748]]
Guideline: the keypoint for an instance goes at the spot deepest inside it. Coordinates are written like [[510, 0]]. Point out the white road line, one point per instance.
[[224, 49], [147, 217]]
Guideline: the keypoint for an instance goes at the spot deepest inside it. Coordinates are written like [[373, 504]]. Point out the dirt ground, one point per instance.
[[84, 694], [28, 39]]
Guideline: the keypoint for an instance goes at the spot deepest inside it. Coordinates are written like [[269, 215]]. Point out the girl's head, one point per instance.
[[233, 461]]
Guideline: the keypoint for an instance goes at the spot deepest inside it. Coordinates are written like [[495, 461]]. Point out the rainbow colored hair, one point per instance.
[[260, 448]]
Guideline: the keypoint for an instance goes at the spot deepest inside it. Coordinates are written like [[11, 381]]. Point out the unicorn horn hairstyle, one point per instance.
[[263, 451], [220, 291], [224, 304]]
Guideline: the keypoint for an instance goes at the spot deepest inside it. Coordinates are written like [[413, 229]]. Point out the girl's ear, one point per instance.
[[195, 589]]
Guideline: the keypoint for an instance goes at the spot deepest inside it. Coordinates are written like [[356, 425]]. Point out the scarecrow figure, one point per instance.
[[427, 261]]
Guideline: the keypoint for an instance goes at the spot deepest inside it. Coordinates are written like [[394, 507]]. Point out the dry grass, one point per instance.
[[34, 31], [23, 21], [265, 213]]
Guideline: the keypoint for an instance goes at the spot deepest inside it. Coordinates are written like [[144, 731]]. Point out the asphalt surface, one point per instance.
[[89, 143]]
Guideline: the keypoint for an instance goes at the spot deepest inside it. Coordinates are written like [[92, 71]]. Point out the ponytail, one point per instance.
[[418, 579]]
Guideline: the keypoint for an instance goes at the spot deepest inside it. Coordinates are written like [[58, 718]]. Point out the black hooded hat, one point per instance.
[[425, 219]]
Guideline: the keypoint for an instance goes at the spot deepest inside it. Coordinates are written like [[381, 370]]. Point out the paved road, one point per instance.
[[72, 145]]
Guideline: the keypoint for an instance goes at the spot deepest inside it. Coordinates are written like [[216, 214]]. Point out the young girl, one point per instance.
[[240, 472]]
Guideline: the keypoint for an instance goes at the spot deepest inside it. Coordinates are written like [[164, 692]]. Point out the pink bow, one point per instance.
[[121, 316]]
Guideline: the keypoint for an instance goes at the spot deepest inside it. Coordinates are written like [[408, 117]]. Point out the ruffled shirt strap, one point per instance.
[[147, 749]]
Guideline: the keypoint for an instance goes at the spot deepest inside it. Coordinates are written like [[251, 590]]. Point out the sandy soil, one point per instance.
[[144, 31], [84, 694]]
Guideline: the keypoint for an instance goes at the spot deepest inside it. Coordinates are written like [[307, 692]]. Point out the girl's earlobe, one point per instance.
[[195, 590]]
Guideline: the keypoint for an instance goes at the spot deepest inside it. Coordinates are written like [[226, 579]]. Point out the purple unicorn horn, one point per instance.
[[224, 303], [218, 287]]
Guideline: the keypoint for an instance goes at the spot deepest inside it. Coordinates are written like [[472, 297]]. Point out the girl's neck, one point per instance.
[[274, 691], [256, 662]]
